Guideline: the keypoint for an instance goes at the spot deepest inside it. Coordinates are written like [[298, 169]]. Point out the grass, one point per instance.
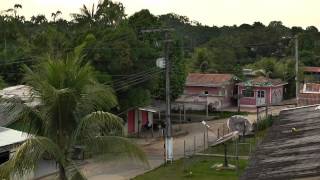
[[197, 167]]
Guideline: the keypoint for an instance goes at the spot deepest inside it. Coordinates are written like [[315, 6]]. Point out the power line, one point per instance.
[[135, 78], [138, 81]]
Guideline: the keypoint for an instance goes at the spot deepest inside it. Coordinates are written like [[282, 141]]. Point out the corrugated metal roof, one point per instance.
[[200, 79], [10, 137], [290, 149]]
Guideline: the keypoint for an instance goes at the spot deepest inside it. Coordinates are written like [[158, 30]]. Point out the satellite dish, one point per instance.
[[161, 63], [240, 124]]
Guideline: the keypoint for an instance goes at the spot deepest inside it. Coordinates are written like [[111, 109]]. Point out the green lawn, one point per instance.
[[197, 167]]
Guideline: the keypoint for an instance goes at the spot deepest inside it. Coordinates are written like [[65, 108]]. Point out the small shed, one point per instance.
[[141, 119], [260, 91]]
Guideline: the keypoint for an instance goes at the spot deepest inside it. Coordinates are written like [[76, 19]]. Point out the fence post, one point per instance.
[[223, 130], [207, 137], [184, 148], [204, 141], [194, 144], [257, 114]]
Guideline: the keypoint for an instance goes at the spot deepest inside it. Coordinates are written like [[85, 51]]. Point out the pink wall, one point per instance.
[[251, 101]]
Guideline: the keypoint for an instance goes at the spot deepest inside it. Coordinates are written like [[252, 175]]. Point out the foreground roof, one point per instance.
[[200, 79], [262, 82], [9, 138], [290, 148]]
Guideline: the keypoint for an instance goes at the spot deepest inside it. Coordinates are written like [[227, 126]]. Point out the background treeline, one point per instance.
[[126, 59]]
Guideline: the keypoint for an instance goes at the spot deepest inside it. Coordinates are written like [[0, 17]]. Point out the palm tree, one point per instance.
[[86, 15], [39, 19], [72, 112], [55, 15]]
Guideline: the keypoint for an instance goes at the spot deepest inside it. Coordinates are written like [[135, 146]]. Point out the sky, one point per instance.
[[210, 12]]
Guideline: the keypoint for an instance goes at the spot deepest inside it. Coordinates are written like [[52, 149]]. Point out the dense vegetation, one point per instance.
[[126, 58]]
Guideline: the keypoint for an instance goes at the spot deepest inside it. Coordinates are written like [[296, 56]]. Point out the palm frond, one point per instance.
[[97, 97], [75, 173], [107, 146], [98, 123], [28, 155]]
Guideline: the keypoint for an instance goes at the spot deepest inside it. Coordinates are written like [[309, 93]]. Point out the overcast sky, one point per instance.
[[210, 12]]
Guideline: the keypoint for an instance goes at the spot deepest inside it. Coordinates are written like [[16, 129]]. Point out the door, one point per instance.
[[261, 97]]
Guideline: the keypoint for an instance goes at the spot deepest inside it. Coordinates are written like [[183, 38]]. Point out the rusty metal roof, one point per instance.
[[200, 79], [290, 150], [312, 69]]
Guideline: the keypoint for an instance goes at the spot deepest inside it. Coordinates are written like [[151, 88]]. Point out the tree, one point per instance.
[[39, 19], [72, 111], [55, 15]]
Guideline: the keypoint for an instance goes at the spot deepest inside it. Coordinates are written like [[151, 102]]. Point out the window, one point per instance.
[[206, 92], [247, 93], [260, 94]]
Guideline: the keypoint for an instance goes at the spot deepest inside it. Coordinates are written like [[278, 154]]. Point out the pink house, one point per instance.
[[260, 91], [213, 91]]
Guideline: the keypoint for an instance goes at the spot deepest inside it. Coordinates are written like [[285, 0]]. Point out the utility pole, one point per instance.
[[297, 68], [168, 139]]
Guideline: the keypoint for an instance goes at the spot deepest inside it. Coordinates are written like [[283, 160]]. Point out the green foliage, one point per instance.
[[72, 111]]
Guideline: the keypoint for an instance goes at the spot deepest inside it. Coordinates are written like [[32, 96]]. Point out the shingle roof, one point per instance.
[[262, 82], [312, 69], [199, 79], [286, 153]]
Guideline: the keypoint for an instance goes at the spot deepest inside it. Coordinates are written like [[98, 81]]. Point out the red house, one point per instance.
[[207, 91], [260, 91]]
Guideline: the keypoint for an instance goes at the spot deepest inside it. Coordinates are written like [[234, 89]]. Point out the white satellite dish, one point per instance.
[[161, 63], [240, 124]]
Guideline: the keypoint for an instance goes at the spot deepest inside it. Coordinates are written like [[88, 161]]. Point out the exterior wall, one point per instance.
[[220, 97], [131, 121], [309, 99], [277, 95], [252, 101], [200, 90]]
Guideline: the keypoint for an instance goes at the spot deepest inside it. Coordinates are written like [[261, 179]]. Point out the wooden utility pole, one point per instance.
[[168, 139]]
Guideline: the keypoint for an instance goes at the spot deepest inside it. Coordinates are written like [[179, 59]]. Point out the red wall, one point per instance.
[[144, 117], [131, 121]]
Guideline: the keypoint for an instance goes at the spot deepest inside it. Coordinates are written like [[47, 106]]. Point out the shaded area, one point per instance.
[[290, 148]]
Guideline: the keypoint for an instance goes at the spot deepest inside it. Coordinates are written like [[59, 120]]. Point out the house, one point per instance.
[[290, 148], [23, 94], [310, 88], [141, 119], [207, 91], [311, 74], [260, 91], [309, 94]]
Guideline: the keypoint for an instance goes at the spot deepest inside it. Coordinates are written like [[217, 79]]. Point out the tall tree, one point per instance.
[[72, 111]]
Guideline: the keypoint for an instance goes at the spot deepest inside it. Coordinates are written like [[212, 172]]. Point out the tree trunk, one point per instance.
[[62, 173]]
